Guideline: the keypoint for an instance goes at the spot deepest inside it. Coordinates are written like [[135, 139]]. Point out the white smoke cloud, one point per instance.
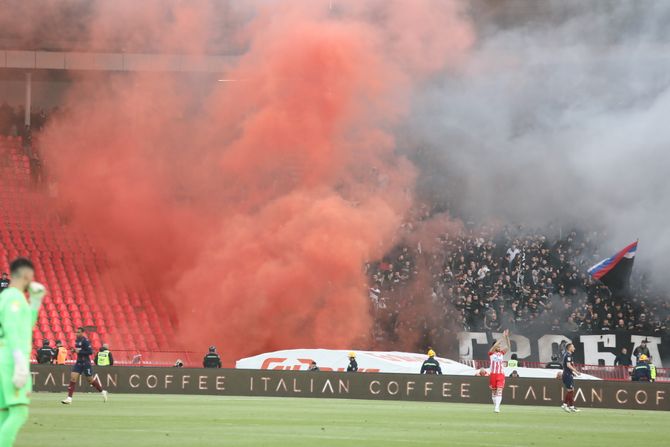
[[560, 115]]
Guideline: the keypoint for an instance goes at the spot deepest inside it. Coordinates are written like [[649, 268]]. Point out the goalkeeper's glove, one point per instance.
[[21, 370], [37, 293]]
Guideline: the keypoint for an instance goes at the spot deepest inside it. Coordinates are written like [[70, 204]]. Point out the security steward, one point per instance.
[[513, 362], [554, 364], [652, 369], [431, 366], [46, 354], [212, 359], [353, 364], [104, 356], [642, 371], [61, 353]]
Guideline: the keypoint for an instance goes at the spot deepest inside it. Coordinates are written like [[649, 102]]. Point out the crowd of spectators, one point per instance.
[[490, 278]]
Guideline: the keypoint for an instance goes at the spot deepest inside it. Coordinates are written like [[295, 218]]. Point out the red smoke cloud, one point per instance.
[[250, 207]]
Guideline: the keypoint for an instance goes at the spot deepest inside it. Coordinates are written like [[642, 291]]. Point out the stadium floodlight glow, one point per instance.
[[226, 80]]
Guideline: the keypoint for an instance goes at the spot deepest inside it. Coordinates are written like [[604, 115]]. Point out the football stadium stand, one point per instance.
[[80, 294]]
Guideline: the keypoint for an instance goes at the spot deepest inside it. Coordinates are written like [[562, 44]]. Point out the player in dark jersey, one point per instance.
[[569, 373], [83, 366]]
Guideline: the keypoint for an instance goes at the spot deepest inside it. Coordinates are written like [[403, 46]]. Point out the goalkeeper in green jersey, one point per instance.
[[17, 318]]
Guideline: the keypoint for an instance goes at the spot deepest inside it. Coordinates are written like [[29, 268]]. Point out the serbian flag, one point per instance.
[[615, 271]]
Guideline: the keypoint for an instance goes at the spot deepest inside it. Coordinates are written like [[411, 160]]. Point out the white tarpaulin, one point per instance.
[[371, 361], [542, 373], [333, 360]]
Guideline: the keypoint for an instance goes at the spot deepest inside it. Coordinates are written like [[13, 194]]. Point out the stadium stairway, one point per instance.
[[80, 294]]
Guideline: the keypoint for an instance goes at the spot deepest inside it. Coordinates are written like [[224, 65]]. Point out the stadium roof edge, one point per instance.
[[114, 62]]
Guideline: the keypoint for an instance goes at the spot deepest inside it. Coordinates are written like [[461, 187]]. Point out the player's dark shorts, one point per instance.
[[83, 368], [568, 381]]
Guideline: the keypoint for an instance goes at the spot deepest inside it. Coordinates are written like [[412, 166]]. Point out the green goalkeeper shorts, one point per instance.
[[9, 395]]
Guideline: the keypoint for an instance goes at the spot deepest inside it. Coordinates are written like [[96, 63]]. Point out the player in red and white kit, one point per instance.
[[497, 377]]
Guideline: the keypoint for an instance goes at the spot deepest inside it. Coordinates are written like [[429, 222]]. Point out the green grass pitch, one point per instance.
[[162, 420]]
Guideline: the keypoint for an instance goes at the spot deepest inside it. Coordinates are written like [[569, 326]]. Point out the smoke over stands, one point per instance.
[[558, 116], [250, 206]]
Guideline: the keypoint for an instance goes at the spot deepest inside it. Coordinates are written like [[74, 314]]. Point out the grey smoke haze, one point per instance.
[[560, 115]]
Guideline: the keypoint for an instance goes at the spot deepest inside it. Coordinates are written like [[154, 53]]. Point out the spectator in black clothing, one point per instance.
[[178, 364], [212, 359], [35, 168], [313, 367], [571, 325], [27, 139], [554, 364], [620, 325], [46, 354], [514, 374], [353, 365], [492, 323], [38, 120], [431, 366], [641, 350], [623, 359], [4, 282]]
